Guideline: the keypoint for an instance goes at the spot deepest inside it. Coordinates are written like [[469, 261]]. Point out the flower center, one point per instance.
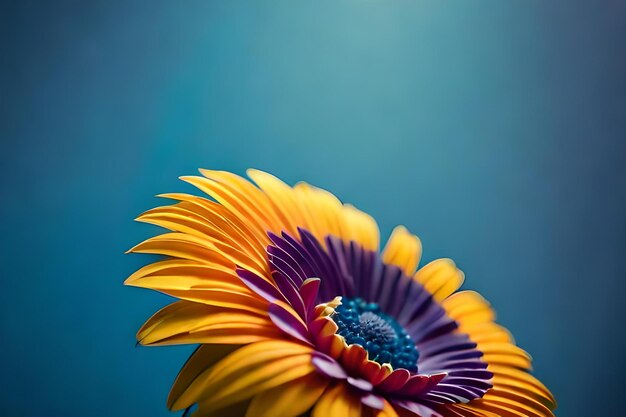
[[384, 339]]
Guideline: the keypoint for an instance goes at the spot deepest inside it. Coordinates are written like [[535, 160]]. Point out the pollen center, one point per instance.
[[384, 339]]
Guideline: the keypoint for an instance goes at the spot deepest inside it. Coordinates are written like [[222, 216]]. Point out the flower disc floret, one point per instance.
[[385, 340]]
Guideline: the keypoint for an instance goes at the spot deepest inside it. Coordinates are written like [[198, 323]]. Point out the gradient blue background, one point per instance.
[[495, 130]]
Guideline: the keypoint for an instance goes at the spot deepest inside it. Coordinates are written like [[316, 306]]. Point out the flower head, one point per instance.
[[297, 312]]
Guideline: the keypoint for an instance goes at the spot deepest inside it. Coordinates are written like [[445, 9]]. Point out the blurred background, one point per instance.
[[494, 130]]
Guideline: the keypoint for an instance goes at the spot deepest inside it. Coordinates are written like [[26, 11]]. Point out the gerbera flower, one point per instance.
[[298, 313]]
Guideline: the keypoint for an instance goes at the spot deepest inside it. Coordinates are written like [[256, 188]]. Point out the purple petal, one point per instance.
[[456, 392], [259, 285], [328, 366], [291, 247], [337, 252], [278, 262], [287, 322], [288, 260], [387, 293], [417, 409], [374, 401], [290, 293], [360, 384], [308, 291]]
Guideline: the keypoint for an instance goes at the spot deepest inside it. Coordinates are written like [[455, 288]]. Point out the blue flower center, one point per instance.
[[384, 339]]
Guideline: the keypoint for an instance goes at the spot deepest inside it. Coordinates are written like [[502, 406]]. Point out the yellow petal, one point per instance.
[[206, 284], [517, 401], [251, 197], [230, 201], [496, 409], [179, 218], [509, 376], [515, 391], [181, 274], [180, 320], [517, 361], [234, 410], [440, 277], [186, 246], [221, 218], [289, 400], [246, 372], [403, 250], [324, 208], [337, 401], [282, 198], [202, 359], [473, 410], [504, 348], [363, 226], [181, 266], [468, 307], [486, 332]]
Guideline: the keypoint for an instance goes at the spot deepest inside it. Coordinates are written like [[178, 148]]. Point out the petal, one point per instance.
[[202, 359], [325, 209], [234, 335], [188, 322], [283, 261], [387, 411], [230, 201], [522, 381], [282, 198], [186, 246], [250, 196], [373, 401], [419, 384], [234, 410], [188, 278], [395, 381], [328, 366], [308, 291], [289, 400], [468, 307], [353, 358], [505, 354], [364, 228], [440, 277], [374, 372], [182, 267], [515, 392], [183, 218], [220, 217], [286, 319], [403, 250], [259, 285], [246, 372], [337, 401], [290, 292], [241, 386], [210, 284], [223, 298]]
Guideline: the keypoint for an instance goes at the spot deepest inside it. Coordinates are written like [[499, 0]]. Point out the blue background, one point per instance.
[[495, 130]]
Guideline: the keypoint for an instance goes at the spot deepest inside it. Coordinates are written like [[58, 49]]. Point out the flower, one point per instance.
[[298, 313]]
